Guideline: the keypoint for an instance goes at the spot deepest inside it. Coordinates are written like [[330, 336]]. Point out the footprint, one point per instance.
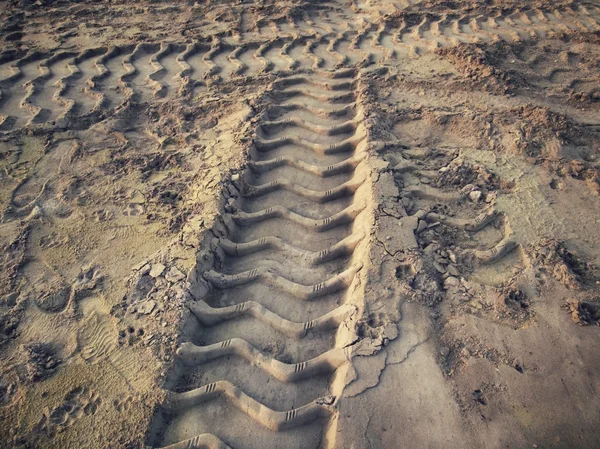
[[87, 278], [130, 336], [53, 295], [122, 232], [50, 292], [103, 215], [97, 338], [123, 404], [53, 240], [8, 390], [70, 190], [77, 403], [132, 210], [44, 171], [42, 361]]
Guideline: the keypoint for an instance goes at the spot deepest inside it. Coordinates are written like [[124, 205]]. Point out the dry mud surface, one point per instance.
[[299, 224]]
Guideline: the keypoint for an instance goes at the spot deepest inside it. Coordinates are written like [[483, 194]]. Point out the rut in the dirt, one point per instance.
[[462, 223], [260, 369], [39, 89]]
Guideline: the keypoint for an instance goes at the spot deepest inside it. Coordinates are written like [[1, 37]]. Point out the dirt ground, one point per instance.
[[299, 224]]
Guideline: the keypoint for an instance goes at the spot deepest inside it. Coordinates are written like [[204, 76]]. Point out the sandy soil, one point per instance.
[[299, 224]]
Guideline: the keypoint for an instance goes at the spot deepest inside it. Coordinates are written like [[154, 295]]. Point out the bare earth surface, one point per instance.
[[300, 224]]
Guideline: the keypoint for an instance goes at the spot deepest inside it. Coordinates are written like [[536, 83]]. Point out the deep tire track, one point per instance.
[[266, 350]]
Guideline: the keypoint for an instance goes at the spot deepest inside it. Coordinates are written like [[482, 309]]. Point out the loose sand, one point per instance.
[[299, 224]]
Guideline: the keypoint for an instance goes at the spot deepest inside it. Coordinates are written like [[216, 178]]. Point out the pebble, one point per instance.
[[422, 226], [429, 249], [174, 275], [451, 281], [140, 265], [476, 304], [475, 196], [452, 256], [421, 213], [157, 270], [146, 307], [452, 270], [439, 267]]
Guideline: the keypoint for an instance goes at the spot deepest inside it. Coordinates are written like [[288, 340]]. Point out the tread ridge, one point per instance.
[[193, 355], [343, 217], [211, 316], [338, 282], [344, 247], [271, 419]]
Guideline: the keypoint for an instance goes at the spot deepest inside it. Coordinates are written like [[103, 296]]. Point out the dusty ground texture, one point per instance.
[[364, 224]]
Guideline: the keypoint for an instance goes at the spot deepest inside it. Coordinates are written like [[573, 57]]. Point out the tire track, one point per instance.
[[14, 90], [44, 89], [464, 216], [282, 283], [61, 87]]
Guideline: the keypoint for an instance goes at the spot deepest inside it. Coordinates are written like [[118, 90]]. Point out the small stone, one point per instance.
[[430, 249], [174, 275], [451, 281], [476, 304], [422, 226], [452, 256], [146, 307], [411, 222], [140, 265], [157, 270], [439, 267], [420, 213], [452, 270], [51, 364], [475, 196], [439, 258], [444, 351]]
